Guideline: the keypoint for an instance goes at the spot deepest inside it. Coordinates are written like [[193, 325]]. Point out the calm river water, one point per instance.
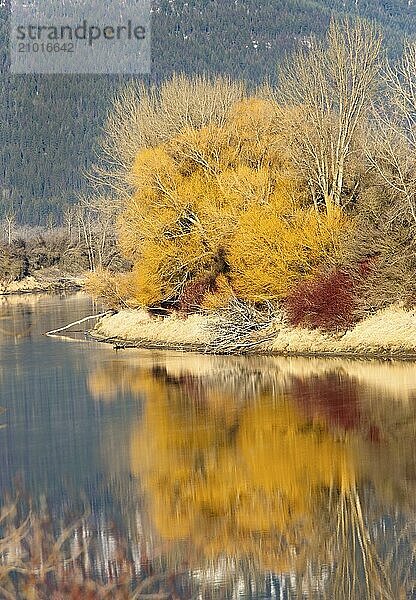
[[211, 477]]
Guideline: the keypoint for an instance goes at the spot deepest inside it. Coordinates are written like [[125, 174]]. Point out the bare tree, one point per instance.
[[392, 147], [69, 218], [96, 222], [143, 117], [10, 226], [327, 90]]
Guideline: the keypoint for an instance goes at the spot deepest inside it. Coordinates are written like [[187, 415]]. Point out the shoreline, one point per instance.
[[122, 344], [390, 334], [40, 283]]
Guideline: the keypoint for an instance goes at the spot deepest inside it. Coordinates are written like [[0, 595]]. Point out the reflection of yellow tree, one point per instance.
[[240, 483], [105, 383], [289, 456], [237, 471]]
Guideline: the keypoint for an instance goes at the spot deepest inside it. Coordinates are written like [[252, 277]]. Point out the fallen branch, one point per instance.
[[244, 347], [104, 314]]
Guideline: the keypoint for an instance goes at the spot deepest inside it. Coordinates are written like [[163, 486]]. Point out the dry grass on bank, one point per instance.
[[131, 325], [389, 331], [47, 280]]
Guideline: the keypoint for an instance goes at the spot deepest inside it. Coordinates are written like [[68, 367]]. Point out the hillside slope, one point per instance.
[[50, 124]]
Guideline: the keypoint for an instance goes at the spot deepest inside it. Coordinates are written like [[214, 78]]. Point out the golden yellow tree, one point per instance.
[[218, 197]]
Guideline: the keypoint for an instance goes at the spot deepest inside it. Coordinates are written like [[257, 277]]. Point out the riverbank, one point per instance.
[[43, 281], [390, 332]]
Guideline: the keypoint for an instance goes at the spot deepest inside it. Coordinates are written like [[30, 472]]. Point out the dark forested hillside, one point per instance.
[[50, 124]]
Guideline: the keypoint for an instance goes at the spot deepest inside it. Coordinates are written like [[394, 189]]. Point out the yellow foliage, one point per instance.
[[243, 186], [239, 481], [199, 149], [217, 199], [154, 168], [252, 117], [273, 248], [164, 268], [220, 296], [254, 123], [112, 289]]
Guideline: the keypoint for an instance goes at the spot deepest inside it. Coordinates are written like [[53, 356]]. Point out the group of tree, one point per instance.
[[51, 125], [298, 193], [84, 242]]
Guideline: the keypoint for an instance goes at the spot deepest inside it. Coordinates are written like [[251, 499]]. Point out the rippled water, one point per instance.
[[221, 477]]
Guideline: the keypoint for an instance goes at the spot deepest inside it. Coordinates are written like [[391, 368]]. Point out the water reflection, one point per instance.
[[208, 477], [299, 468], [16, 318]]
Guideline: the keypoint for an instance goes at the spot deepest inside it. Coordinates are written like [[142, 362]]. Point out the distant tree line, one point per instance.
[[85, 241]]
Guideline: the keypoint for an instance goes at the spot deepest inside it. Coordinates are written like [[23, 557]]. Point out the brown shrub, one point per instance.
[[13, 261], [378, 232]]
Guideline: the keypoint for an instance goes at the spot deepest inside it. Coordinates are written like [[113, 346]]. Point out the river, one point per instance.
[[208, 476]]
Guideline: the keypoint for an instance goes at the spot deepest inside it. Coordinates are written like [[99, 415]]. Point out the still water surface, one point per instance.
[[222, 477]]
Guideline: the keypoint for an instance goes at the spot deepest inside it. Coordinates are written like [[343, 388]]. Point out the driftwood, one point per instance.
[[247, 348], [53, 331], [244, 347], [240, 329]]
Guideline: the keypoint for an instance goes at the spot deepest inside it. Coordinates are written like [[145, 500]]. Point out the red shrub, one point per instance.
[[326, 302], [193, 294], [335, 398]]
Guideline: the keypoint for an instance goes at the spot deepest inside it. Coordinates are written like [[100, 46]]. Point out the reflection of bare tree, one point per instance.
[[266, 471], [361, 570], [12, 327]]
